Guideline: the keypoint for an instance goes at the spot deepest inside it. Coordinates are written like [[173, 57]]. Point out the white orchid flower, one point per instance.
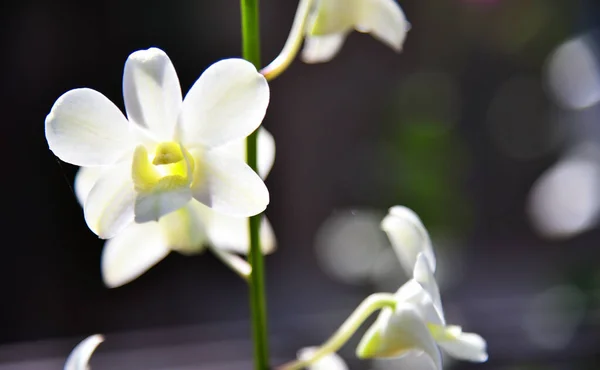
[[80, 356], [417, 323], [166, 152], [331, 20], [408, 237], [188, 230], [330, 362]]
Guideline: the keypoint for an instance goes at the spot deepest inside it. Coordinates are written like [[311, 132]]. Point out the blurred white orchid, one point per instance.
[[188, 230], [167, 151], [408, 237], [417, 323], [80, 356], [330, 21], [330, 362]]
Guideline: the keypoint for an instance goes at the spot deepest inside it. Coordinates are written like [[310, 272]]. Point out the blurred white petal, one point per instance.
[[331, 21], [232, 233], [397, 332], [408, 237], [330, 362], [424, 276], [466, 346], [184, 229], [80, 356], [414, 293], [132, 252], [322, 48], [385, 21], [233, 261]]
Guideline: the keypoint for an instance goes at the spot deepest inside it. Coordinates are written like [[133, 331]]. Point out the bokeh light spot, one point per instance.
[[565, 200], [573, 74]]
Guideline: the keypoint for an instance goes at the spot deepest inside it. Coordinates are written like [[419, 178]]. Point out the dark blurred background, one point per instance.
[[487, 125]]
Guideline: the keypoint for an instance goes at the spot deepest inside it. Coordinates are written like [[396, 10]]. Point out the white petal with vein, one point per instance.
[[84, 128], [228, 102]]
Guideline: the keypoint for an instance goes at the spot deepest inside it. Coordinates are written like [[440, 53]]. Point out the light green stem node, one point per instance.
[[372, 303], [292, 44]]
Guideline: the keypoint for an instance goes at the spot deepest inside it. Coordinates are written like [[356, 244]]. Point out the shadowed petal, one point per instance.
[[109, 206], [85, 179], [152, 92], [322, 48], [132, 252], [384, 20]]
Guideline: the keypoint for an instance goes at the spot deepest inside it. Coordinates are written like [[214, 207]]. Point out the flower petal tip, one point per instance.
[[81, 354]]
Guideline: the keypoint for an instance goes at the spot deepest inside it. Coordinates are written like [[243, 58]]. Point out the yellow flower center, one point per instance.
[[171, 167]]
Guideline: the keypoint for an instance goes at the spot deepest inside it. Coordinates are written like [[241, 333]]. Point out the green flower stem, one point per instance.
[[292, 45], [371, 304], [258, 306]]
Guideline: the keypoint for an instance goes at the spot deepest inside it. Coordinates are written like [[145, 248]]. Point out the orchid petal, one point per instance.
[[85, 179], [84, 128], [265, 148], [466, 346], [82, 353], [408, 237], [184, 229], [154, 205], [414, 293], [132, 252], [397, 332], [384, 20], [330, 362], [424, 276], [228, 185], [333, 16], [322, 48], [228, 102], [109, 205], [233, 261], [231, 233], [152, 92]]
